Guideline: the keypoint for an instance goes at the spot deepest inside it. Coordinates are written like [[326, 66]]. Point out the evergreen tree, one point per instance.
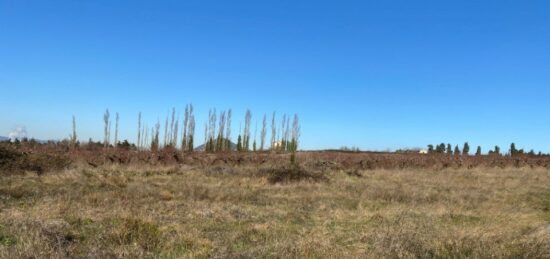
[[449, 149], [440, 148], [457, 151], [466, 149], [430, 149], [497, 150], [478, 151], [513, 150]]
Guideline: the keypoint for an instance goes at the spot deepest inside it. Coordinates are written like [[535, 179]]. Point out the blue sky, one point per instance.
[[371, 74]]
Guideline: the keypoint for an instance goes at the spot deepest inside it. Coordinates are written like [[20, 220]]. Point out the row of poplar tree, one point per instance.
[[217, 133]]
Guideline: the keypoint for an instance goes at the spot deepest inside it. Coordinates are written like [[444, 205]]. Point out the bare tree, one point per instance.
[[191, 133], [228, 131], [146, 137], [166, 131], [273, 132], [287, 133], [171, 129], [246, 132], [210, 145], [186, 125], [73, 136], [139, 131], [295, 133], [206, 135], [174, 142], [281, 134], [221, 130], [106, 130], [255, 134], [263, 133], [116, 130], [155, 139], [184, 128]]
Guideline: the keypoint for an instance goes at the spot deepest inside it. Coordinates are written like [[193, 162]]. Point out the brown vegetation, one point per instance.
[[239, 211], [117, 203]]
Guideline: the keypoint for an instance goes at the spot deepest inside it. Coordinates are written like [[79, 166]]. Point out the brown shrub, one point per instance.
[[293, 173]]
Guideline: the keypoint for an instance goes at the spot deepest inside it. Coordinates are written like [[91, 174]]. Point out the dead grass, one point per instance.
[[220, 211]]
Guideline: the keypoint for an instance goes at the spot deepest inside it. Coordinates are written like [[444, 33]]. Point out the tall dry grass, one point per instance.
[[221, 211]]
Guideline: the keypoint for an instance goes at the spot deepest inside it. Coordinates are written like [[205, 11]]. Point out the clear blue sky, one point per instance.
[[372, 74]]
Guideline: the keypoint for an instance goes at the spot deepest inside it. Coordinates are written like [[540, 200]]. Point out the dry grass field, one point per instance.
[[268, 211]]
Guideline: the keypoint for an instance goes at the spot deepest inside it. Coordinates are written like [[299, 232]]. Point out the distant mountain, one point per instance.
[[201, 147]]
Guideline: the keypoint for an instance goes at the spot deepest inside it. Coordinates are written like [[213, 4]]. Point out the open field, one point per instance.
[[272, 210]]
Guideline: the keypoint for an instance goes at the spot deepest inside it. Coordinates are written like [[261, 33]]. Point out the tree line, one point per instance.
[[496, 151], [217, 133]]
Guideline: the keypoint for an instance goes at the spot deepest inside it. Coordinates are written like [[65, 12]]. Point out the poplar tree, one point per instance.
[[206, 135], [287, 134], [175, 132], [246, 132], [155, 140], [107, 122], [191, 133], [116, 130], [171, 130], [166, 131], [273, 132], [263, 133], [295, 134], [73, 135], [139, 131], [228, 131], [239, 143], [220, 143], [255, 133], [184, 138], [281, 138]]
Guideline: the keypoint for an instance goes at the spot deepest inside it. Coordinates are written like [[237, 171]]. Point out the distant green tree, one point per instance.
[[126, 145], [457, 151], [497, 150], [440, 148], [466, 149], [449, 149], [513, 150], [430, 149], [478, 151]]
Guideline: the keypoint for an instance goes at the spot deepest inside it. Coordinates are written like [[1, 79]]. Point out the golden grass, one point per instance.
[[232, 212]]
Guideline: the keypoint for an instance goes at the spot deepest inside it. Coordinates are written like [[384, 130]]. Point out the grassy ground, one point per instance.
[[181, 211]]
